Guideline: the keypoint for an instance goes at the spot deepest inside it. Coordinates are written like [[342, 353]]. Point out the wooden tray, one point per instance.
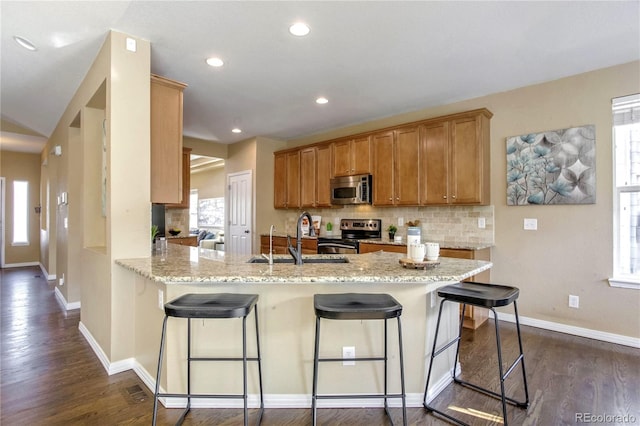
[[425, 264]]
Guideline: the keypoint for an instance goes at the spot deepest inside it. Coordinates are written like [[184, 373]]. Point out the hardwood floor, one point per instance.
[[50, 376]]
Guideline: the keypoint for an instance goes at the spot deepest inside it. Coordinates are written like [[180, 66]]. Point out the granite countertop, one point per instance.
[[182, 264]]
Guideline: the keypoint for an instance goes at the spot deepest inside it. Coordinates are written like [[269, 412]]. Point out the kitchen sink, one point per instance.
[[304, 260]]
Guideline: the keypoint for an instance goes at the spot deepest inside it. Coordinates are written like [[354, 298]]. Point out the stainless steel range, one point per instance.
[[352, 231]]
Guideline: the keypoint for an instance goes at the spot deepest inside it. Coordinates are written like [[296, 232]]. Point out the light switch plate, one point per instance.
[[482, 223], [131, 44], [530, 224]]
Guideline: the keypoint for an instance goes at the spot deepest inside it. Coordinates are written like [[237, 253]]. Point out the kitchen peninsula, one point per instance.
[[286, 315]]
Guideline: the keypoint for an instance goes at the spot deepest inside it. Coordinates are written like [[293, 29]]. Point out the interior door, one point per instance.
[[239, 236]]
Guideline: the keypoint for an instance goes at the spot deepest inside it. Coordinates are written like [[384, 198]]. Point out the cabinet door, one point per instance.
[[280, 181], [434, 164], [166, 140], [323, 176], [308, 177], [342, 158], [466, 162], [361, 156], [383, 158], [293, 179], [407, 166]]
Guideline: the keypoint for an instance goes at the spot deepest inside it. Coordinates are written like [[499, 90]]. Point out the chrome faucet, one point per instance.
[[297, 252], [270, 257]]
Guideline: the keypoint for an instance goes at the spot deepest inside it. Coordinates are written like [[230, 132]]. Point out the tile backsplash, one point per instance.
[[457, 224]]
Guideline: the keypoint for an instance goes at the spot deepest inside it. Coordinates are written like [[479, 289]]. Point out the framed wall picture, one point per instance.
[[552, 167]]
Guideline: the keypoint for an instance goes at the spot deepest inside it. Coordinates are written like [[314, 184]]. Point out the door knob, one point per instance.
[[246, 231]]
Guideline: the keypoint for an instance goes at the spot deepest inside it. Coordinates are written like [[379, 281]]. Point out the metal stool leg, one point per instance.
[[159, 371], [386, 391], [314, 394], [259, 368], [524, 404], [404, 395]]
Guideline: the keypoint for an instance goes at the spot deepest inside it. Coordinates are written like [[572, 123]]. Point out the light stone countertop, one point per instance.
[[187, 265]]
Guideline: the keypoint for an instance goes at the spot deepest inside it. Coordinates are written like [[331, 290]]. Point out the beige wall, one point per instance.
[[571, 253], [22, 167], [116, 88], [209, 183]]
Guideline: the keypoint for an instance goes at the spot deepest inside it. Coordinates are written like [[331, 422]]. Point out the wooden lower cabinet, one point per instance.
[[184, 241], [372, 247], [309, 245]]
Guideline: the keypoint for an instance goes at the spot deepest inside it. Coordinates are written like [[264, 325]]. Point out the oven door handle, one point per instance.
[[338, 245]]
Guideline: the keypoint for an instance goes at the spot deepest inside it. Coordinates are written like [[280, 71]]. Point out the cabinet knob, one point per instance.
[[390, 198], [453, 196], [444, 196], [397, 198]]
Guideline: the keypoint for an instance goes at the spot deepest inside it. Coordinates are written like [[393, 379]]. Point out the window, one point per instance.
[[626, 210], [193, 209], [20, 213]]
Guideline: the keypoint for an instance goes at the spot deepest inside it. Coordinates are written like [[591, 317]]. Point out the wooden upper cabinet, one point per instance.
[[308, 172], [434, 164], [166, 140], [396, 162], [286, 193], [407, 166], [455, 160], [323, 176], [352, 156], [383, 182], [469, 160], [186, 181]]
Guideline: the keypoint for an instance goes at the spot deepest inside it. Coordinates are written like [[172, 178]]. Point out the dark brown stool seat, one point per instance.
[[488, 296], [358, 306], [211, 306]]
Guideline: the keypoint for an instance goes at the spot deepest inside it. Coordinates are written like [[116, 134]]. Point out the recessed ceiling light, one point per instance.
[[299, 29], [215, 62], [236, 130], [25, 43], [322, 100]]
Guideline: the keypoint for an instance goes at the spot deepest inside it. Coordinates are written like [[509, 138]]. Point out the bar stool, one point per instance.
[[357, 306], [487, 296], [211, 306]]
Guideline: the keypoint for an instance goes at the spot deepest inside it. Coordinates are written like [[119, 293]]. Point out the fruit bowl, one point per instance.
[[174, 232]]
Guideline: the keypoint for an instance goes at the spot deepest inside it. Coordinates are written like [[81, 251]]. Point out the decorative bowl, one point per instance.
[[174, 232]]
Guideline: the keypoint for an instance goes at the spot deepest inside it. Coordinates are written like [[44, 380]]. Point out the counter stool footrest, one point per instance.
[[198, 395], [491, 393], [352, 359], [223, 359], [355, 396]]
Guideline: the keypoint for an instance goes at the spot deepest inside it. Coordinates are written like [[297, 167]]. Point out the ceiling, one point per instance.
[[369, 59]]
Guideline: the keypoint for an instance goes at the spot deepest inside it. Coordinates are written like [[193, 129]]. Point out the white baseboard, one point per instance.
[[110, 367], [46, 273], [67, 306], [573, 330], [20, 264]]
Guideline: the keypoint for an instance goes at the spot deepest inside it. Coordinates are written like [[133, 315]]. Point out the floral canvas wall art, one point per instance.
[[553, 167]]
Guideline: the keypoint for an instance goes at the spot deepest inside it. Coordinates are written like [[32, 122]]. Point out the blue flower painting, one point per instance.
[[555, 167]]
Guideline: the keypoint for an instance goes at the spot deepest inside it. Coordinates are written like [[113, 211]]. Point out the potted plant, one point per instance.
[[392, 231]]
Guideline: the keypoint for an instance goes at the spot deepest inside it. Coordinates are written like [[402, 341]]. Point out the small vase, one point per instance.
[[392, 235]]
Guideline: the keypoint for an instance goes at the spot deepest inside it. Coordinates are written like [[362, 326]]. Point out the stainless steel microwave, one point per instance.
[[351, 190]]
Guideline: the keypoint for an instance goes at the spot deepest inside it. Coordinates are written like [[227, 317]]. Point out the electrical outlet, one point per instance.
[[131, 44], [434, 299], [401, 221], [574, 301], [348, 352], [482, 223], [62, 280], [530, 224], [161, 300]]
